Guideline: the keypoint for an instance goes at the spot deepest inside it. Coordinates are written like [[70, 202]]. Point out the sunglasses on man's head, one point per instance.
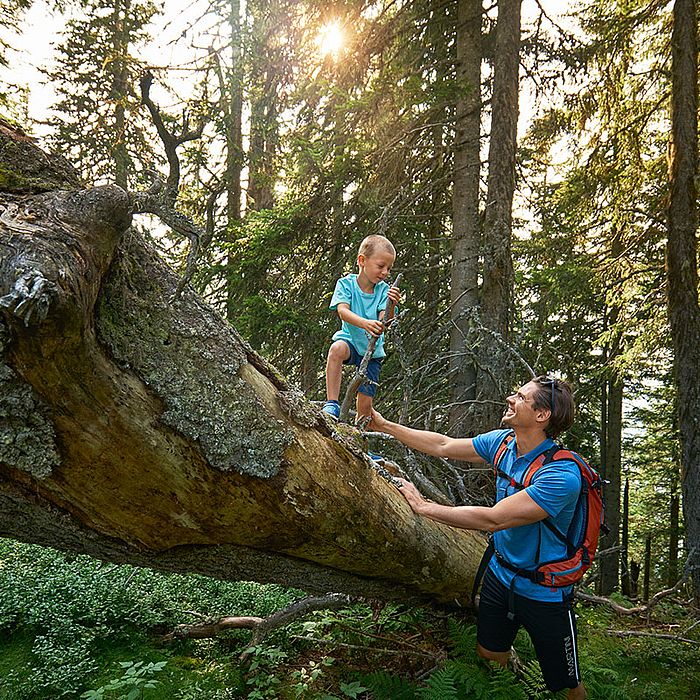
[[550, 382]]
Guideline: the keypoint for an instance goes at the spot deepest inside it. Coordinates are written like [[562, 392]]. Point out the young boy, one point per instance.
[[360, 301]]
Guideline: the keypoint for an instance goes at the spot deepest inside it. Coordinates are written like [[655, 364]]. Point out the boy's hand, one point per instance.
[[395, 294], [375, 328]]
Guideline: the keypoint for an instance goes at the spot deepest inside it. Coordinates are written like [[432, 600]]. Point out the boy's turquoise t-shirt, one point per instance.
[[555, 487], [347, 291]]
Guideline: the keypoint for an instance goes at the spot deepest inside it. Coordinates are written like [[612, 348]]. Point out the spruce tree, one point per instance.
[[100, 124]]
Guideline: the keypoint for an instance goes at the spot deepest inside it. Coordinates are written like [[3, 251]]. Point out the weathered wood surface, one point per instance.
[[141, 430]]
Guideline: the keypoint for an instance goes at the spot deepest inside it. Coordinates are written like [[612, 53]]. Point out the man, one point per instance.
[[535, 413]]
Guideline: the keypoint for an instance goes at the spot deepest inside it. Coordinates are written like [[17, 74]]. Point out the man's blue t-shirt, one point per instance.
[[555, 487], [347, 291]]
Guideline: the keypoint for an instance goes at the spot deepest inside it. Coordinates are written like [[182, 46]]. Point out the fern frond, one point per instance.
[[504, 685], [533, 681], [385, 686], [440, 686], [602, 682], [462, 637]]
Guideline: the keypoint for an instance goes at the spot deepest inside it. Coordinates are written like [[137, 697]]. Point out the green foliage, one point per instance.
[[263, 681], [386, 686], [440, 686], [99, 124], [61, 614], [137, 678], [352, 690]]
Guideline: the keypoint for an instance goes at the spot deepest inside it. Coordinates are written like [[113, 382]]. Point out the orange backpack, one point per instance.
[[581, 539]]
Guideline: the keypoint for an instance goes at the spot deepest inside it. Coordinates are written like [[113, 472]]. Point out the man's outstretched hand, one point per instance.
[[411, 494], [377, 421]]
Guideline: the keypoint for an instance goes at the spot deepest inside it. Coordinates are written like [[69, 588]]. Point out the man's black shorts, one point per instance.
[[551, 626]]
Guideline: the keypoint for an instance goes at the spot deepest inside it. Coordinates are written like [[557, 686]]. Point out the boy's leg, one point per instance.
[[364, 406], [368, 390], [338, 352]]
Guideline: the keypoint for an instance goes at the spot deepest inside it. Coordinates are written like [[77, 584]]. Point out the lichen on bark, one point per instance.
[[191, 361], [27, 437]]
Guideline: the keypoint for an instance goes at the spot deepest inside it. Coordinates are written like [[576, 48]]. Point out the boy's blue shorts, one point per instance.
[[373, 369]]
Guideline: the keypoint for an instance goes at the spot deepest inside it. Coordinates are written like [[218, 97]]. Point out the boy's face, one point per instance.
[[376, 267]]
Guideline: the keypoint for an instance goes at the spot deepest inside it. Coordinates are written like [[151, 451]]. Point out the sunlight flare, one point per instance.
[[330, 39]]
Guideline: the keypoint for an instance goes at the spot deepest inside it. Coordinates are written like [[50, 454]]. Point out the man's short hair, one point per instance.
[[374, 244], [556, 395]]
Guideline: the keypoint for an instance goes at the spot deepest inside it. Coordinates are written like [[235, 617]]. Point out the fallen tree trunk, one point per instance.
[[141, 430]]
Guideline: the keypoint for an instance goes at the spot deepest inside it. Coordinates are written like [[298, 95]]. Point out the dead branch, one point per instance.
[[160, 198], [171, 141], [638, 610], [261, 626], [656, 635]]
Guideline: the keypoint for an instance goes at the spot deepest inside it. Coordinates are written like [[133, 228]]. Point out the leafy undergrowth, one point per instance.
[[71, 627]]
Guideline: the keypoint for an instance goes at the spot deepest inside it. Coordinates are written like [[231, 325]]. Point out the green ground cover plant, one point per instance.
[[72, 627]]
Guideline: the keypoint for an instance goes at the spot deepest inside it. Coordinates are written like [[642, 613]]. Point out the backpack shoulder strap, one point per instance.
[[539, 461], [501, 450]]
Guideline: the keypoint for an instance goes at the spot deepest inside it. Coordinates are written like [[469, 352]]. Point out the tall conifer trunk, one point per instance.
[[682, 265], [264, 126], [120, 44], [465, 209], [611, 456], [494, 377], [232, 104]]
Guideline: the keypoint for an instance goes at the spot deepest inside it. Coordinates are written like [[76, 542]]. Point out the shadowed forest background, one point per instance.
[[528, 164]]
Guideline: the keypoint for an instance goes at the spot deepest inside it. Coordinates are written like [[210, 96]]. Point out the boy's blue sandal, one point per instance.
[[332, 408], [375, 457]]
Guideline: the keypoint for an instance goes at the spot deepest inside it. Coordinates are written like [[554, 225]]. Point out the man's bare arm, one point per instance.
[[426, 441], [513, 511]]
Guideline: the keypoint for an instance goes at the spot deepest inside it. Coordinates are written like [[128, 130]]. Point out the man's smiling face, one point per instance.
[[520, 409]]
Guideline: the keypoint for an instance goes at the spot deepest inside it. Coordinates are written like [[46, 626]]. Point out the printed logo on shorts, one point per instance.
[[570, 657]]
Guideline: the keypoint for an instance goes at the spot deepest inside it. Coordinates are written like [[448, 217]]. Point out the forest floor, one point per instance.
[[72, 627]]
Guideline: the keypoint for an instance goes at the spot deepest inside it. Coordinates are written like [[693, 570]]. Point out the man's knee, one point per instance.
[[500, 657]]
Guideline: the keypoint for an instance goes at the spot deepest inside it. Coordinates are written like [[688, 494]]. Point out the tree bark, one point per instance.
[[624, 551], [609, 566], [682, 266], [494, 378], [143, 431], [466, 237], [673, 538]]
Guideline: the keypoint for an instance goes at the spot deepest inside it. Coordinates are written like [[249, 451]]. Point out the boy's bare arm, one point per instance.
[[427, 441], [375, 328]]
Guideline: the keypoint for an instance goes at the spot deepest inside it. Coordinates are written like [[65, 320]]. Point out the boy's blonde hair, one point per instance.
[[374, 244]]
